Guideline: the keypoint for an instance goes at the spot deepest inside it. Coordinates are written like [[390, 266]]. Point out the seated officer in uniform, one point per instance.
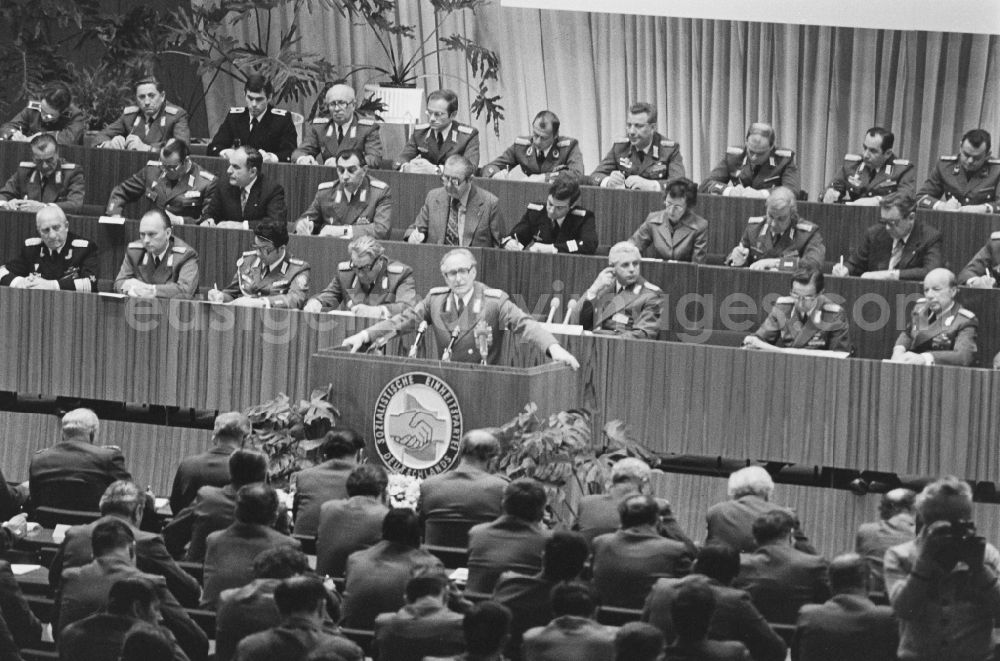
[[467, 315], [248, 197], [983, 268], [806, 319], [558, 225], [621, 302], [54, 114], [267, 276], [55, 259], [940, 331], [257, 124], [780, 239], [967, 182], [325, 137], [431, 144], [755, 169], [369, 285], [158, 265], [354, 205], [676, 233], [45, 179], [644, 159], [898, 247], [147, 125], [175, 184], [542, 154], [864, 180]]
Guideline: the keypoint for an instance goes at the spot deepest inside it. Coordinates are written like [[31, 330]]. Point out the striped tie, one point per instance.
[[451, 231], [897, 254]]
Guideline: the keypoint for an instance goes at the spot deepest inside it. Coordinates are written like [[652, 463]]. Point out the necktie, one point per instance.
[[459, 306], [897, 254], [340, 134], [440, 140], [540, 157], [451, 231], [254, 122], [640, 156], [244, 195], [156, 262]]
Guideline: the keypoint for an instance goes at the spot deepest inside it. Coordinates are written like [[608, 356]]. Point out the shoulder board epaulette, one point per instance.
[[171, 110], [650, 286], [80, 243], [155, 164], [901, 161], [247, 253], [579, 212], [34, 105], [921, 300], [280, 112], [366, 122], [180, 250], [493, 293], [535, 207], [735, 151], [130, 109], [296, 261], [621, 141], [995, 161], [522, 141], [783, 153], [136, 244], [831, 307], [784, 300], [68, 166], [207, 175], [439, 290], [116, 448], [421, 127], [852, 157], [344, 266], [995, 236], [755, 220], [377, 183], [237, 110], [321, 120], [465, 129], [395, 268], [326, 184], [668, 143], [967, 313], [26, 164], [805, 226], [949, 158], [565, 142], [33, 241]]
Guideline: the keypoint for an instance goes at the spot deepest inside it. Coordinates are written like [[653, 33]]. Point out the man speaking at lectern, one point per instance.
[[466, 317]]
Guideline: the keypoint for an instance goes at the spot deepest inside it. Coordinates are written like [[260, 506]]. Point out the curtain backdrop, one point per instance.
[[821, 87]]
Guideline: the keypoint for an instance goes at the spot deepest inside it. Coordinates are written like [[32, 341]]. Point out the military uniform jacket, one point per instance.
[[394, 287], [921, 252], [662, 161], [65, 187], [186, 197], [826, 327], [564, 154], [986, 261], [950, 337], [285, 285], [491, 306], [461, 139], [67, 129], [275, 132], [734, 169], [175, 277], [368, 211], [75, 266], [631, 312], [687, 242], [856, 180], [577, 234], [319, 140], [802, 239], [265, 203], [948, 179], [169, 122]]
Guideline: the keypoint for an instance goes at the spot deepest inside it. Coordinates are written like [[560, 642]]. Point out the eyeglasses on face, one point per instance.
[[453, 273], [340, 104]]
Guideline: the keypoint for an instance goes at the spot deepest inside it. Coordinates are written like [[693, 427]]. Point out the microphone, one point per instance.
[[553, 306], [381, 342], [421, 329], [484, 338], [446, 356], [569, 310]]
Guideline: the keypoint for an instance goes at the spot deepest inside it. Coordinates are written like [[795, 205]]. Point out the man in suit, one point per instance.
[[644, 159], [257, 124], [45, 179], [229, 553], [55, 259], [780, 239], [54, 114], [755, 169], [15, 612], [485, 627], [734, 618], [442, 137], [467, 317], [676, 232], [267, 276], [124, 501], [210, 468], [573, 632], [85, 589], [425, 626], [638, 641], [472, 490], [354, 205], [541, 155], [248, 198], [895, 526], [969, 181], [343, 129], [620, 301], [940, 331], [73, 473], [691, 612], [864, 180], [779, 577], [459, 213], [559, 225], [984, 267], [147, 125], [369, 284], [354, 523], [326, 480], [848, 626], [175, 184], [627, 562], [159, 264], [514, 541], [898, 247]]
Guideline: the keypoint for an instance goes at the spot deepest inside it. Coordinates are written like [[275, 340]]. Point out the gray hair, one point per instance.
[[80, 422], [751, 481]]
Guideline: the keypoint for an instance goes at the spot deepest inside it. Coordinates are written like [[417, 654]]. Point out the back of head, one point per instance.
[[80, 425], [231, 427], [144, 642], [257, 503], [247, 466], [773, 526], [487, 628], [299, 594], [848, 573], [110, 536], [280, 562], [426, 582], [750, 481], [565, 556], [945, 499], [525, 498], [630, 469], [638, 510], [639, 641], [896, 501], [367, 480], [401, 526], [574, 598], [479, 446], [718, 561], [125, 499], [691, 611], [131, 595], [341, 443]]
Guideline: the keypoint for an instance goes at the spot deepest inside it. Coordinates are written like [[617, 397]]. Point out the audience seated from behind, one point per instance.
[[425, 626], [325, 481], [573, 633], [638, 641], [691, 613], [145, 642], [896, 524], [346, 526], [209, 468], [486, 629]]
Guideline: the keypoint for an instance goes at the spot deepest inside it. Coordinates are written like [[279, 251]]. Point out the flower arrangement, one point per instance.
[[403, 491]]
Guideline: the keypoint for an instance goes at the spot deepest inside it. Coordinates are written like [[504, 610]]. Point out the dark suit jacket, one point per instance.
[[74, 474], [212, 509], [528, 598], [151, 556], [346, 526], [8, 648], [597, 515], [731, 522], [293, 640], [845, 628], [275, 133], [781, 579], [735, 617], [506, 544], [921, 252], [376, 581], [230, 554], [208, 469], [627, 562], [23, 625], [100, 638], [418, 631], [313, 487], [875, 538], [464, 492], [266, 203], [707, 650], [484, 224], [570, 637]]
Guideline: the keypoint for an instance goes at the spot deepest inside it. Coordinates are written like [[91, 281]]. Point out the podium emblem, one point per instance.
[[418, 425]]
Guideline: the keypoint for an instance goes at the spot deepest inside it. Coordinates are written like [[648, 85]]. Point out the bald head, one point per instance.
[[52, 226], [479, 447], [940, 277], [940, 289]]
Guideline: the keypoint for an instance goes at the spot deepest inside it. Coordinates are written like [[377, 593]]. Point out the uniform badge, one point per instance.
[[625, 163], [854, 180]]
